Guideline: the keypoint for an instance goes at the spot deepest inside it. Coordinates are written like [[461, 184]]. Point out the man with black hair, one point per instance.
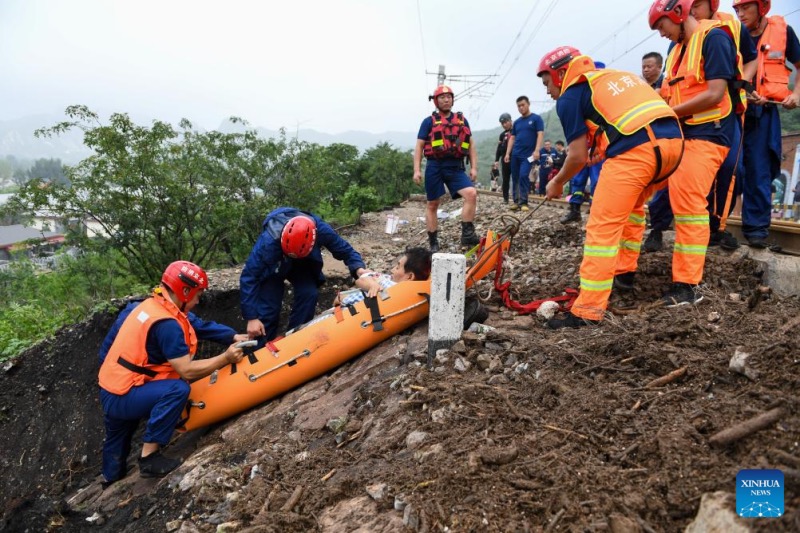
[[652, 69], [502, 145], [523, 151]]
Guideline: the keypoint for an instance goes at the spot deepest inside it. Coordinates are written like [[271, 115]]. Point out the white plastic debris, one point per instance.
[[547, 310], [738, 364]]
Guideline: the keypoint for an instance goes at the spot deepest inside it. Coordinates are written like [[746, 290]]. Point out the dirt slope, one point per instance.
[[516, 429]]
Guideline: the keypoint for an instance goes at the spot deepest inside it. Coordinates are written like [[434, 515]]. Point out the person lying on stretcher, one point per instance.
[[413, 265]]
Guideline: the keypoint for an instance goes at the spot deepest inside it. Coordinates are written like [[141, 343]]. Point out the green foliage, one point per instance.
[[37, 303], [790, 120], [159, 193], [48, 171]]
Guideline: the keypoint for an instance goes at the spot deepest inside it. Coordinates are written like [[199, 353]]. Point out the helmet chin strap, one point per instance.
[[682, 34]]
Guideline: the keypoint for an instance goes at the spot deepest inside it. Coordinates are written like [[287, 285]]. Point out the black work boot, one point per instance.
[[654, 241], [433, 239], [468, 237], [157, 465], [573, 215], [624, 281]]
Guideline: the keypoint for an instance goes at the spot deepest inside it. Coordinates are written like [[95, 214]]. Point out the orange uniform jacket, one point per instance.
[[126, 364]]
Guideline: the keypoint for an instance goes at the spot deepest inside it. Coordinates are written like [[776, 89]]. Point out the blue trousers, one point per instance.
[[161, 402], [520, 179], [661, 210], [544, 173], [577, 185], [762, 160], [305, 282]]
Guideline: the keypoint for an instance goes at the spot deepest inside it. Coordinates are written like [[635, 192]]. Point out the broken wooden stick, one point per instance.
[[748, 427], [293, 499], [666, 379], [567, 431], [327, 476]]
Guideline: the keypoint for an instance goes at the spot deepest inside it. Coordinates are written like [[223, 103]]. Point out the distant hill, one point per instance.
[[360, 139], [17, 139]]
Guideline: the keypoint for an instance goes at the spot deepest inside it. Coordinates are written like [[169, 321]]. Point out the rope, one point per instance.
[[511, 226]]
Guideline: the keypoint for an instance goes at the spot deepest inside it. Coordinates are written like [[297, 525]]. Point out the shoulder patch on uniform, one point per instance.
[[142, 317]]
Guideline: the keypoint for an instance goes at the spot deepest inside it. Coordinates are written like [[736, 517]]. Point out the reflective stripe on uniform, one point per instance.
[[690, 249], [600, 251], [592, 285], [691, 219], [631, 245], [633, 218]]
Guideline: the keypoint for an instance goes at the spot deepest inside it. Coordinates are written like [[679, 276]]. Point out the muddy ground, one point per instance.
[[515, 429]]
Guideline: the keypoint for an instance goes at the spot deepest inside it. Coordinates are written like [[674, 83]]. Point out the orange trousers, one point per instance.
[[688, 191], [616, 225]]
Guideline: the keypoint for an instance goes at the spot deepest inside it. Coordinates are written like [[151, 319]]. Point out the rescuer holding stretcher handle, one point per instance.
[[146, 362]]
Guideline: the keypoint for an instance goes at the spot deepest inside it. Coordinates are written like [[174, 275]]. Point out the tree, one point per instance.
[[48, 171], [157, 193]]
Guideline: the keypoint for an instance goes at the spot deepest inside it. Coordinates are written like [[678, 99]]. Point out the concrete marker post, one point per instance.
[[446, 319]]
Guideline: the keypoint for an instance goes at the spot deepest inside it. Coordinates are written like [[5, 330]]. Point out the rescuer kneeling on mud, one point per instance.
[[146, 361]]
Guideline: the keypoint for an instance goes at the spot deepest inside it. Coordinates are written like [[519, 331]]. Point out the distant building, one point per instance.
[[15, 236]]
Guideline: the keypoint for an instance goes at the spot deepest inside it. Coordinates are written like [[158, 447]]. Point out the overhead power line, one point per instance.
[[422, 38], [613, 34], [522, 49]]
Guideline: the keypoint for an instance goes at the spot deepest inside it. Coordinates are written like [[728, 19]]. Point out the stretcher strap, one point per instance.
[[337, 313], [375, 313]]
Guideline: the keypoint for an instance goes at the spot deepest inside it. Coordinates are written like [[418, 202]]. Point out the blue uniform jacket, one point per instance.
[[267, 258]]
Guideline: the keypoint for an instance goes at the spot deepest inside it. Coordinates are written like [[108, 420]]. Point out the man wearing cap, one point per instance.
[[289, 248], [502, 144], [444, 139]]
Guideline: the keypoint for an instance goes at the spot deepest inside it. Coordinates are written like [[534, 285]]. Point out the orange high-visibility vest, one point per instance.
[[772, 76], [686, 80], [623, 101], [126, 364]]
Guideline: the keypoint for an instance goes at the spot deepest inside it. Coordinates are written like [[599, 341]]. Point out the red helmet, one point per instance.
[[714, 4], [666, 8], [442, 89], [298, 237], [184, 279], [763, 5], [556, 60]]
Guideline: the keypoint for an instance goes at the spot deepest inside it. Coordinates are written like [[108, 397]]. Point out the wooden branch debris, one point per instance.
[[567, 431], [785, 458], [293, 499], [746, 428], [327, 476], [667, 379]]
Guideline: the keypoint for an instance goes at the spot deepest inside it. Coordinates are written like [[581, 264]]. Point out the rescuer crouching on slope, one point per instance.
[[289, 248], [145, 362], [626, 122], [444, 139]]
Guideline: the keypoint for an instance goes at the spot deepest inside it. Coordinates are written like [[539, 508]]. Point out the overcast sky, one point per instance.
[[326, 65]]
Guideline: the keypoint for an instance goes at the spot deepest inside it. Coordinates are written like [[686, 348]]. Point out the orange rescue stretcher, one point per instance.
[[320, 346]]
